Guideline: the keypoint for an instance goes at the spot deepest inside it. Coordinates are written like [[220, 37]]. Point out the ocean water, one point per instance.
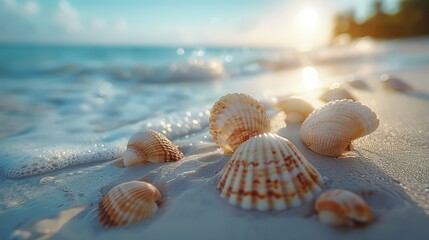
[[63, 106]]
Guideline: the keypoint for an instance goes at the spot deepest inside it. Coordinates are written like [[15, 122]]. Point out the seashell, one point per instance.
[[128, 203], [358, 84], [149, 146], [395, 84], [339, 207], [267, 172], [297, 109], [335, 92], [330, 129], [236, 117]]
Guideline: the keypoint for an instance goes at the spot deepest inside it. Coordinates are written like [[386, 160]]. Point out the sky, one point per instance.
[[261, 23]]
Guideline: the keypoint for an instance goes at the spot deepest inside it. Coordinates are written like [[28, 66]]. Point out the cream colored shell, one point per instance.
[[336, 92], [128, 203], [268, 172], [330, 129], [236, 117], [297, 109], [339, 207], [149, 146]]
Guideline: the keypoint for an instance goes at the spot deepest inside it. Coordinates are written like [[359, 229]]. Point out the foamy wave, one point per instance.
[[27, 157]]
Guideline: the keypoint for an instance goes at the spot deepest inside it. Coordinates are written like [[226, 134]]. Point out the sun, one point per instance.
[[308, 18]]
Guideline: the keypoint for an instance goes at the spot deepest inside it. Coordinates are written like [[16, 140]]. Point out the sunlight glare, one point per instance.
[[310, 77], [308, 18]]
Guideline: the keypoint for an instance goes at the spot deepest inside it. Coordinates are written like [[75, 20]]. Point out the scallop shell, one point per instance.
[[339, 207], [235, 118], [149, 146], [268, 172], [330, 129], [128, 203], [336, 92], [297, 109], [395, 84]]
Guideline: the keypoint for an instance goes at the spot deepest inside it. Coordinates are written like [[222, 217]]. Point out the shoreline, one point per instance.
[[387, 168]]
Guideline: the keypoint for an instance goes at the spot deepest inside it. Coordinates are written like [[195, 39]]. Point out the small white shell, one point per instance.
[[297, 109], [395, 84], [339, 207], [149, 146], [267, 172], [236, 117], [336, 92], [330, 129], [128, 203]]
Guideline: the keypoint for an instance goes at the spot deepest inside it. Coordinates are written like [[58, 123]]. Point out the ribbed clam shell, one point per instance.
[[297, 109], [339, 207], [330, 129], [236, 117], [336, 93], [267, 172], [128, 203], [150, 146]]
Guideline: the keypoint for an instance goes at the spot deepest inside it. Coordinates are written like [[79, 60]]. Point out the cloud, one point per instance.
[[67, 17], [121, 25], [97, 23], [31, 7], [10, 3]]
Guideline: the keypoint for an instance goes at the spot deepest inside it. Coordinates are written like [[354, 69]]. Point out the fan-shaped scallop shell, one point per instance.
[[336, 93], [297, 109], [128, 203], [268, 172], [330, 129], [339, 207], [236, 117], [149, 146]]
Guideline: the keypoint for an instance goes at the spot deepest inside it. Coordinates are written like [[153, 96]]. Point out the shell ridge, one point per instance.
[[283, 191], [309, 169]]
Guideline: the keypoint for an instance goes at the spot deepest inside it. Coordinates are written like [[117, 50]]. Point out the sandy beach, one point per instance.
[[388, 168]]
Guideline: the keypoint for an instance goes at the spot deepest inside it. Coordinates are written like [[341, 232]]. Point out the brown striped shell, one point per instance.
[[268, 172], [128, 203], [149, 146], [330, 129], [297, 109], [339, 207], [236, 117]]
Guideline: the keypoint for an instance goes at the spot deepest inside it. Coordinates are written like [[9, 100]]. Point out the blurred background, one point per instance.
[[105, 64], [302, 25]]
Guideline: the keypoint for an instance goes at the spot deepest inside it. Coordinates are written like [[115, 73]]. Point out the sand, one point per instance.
[[388, 168]]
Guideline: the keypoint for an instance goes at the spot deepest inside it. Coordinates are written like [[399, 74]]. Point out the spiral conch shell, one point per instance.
[[236, 117], [267, 172], [339, 207], [297, 109], [330, 129], [149, 146], [128, 203]]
